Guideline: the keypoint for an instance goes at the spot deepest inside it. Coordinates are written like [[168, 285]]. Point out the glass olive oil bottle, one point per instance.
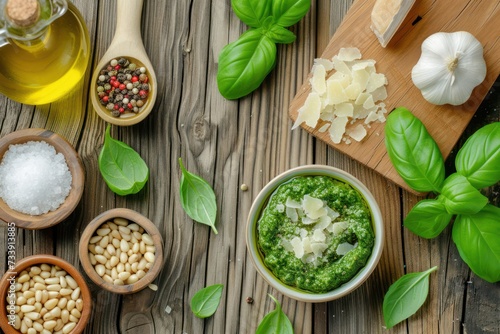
[[44, 49]]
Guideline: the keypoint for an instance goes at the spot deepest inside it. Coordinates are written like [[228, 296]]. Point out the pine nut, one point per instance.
[[27, 308], [71, 281], [95, 239], [149, 256], [49, 325], [104, 241], [100, 269], [75, 294], [51, 303], [68, 327], [64, 316], [103, 231], [147, 239], [120, 221]]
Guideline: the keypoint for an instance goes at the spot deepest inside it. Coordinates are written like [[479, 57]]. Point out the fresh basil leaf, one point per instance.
[[413, 152], [405, 297], [288, 12], [427, 218], [477, 238], [121, 167], [460, 197], [278, 34], [275, 322], [206, 301], [479, 158], [252, 12], [198, 198], [245, 63]]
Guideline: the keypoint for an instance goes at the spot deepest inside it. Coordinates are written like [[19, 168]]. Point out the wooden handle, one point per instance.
[[128, 20]]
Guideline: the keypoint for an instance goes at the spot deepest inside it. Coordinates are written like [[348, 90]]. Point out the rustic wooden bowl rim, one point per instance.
[[53, 260], [75, 166], [134, 217]]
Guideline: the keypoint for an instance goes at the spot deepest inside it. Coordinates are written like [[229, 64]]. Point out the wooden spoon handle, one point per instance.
[[128, 20]]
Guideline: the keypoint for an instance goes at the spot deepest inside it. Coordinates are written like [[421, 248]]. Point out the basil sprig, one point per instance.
[[245, 63], [405, 297], [198, 198], [206, 301], [122, 168], [476, 230], [275, 322]]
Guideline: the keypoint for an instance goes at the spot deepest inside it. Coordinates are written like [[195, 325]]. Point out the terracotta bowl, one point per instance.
[[34, 260], [129, 118], [75, 166], [132, 217], [257, 257]]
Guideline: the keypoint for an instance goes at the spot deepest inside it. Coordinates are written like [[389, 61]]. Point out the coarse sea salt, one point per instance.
[[34, 178]]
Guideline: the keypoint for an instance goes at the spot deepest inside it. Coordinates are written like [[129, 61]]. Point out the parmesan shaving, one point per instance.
[[310, 245], [345, 98], [344, 248]]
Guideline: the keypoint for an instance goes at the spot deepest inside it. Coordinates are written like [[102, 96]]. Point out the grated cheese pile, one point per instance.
[[310, 244], [344, 91]]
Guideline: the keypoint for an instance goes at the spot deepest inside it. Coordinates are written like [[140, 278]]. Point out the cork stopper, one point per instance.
[[23, 13]]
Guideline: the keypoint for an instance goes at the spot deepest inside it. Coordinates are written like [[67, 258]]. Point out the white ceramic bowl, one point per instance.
[[256, 255]]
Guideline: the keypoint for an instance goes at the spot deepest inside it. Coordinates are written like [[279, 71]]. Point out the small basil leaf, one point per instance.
[[288, 12], [405, 297], [252, 12], [427, 218], [245, 63], [460, 197], [477, 238], [275, 322], [206, 301], [121, 167], [278, 34], [479, 158], [198, 198], [413, 152]]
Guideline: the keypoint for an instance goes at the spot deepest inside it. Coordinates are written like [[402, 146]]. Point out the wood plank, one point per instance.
[[396, 62]]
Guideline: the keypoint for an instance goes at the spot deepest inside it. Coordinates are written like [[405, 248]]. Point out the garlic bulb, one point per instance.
[[450, 66]]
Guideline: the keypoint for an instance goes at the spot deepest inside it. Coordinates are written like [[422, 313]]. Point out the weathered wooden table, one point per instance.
[[230, 143]]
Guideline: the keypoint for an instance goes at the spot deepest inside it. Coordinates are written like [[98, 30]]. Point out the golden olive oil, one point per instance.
[[48, 68]]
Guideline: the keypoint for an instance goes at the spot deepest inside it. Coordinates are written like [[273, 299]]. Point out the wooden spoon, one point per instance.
[[127, 42]]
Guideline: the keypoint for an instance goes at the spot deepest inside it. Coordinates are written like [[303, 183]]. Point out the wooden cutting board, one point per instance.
[[445, 123]]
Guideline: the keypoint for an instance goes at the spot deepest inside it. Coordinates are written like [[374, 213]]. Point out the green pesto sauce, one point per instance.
[[333, 269]]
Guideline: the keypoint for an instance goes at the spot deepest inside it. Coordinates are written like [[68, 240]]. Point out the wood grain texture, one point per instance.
[[397, 60], [229, 143]]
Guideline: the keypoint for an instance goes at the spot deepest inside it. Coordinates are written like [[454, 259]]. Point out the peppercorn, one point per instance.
[[122, 86]]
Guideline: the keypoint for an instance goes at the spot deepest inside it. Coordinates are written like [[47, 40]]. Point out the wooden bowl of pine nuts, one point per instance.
[[121, 251], [44, 293]]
